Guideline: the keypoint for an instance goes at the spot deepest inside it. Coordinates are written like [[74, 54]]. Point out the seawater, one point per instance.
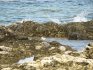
[[46, 10], [75, 44]]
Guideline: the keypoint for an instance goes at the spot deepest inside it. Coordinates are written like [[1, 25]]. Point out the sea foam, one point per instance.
[[55, 20], [80, 17]]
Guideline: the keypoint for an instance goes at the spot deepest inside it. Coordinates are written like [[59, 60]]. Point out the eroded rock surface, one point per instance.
[[74, 30], [23, 40], [88, 51]]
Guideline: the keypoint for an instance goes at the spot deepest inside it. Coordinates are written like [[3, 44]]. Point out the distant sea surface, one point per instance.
[[46, 10]]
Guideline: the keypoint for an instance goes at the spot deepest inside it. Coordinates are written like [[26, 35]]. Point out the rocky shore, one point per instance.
[[46, 55], [74, 30], [23, 40]]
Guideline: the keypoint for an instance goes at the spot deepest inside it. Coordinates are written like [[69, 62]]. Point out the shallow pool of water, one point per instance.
[[26, 60], [76, 44]]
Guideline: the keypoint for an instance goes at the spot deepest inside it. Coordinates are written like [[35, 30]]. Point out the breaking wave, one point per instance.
[[55, 20], [59, 11], [81, 17]]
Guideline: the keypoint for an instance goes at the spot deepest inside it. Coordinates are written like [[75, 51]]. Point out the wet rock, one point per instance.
[[4, 48], [37, 38], [88, 51], [6, 69], [27, 38], [52, 48], [49, 56], [38, 47], [4, 52], [6, 33], [22, 38], [55, 44], [42, 45], [2, 33], [68, 52], [34, 29], [47, 61], [62, 48], [59, 61], [2, 37], [90, 44], [80, 30], [28, 67], [73, 53], [66, 48]]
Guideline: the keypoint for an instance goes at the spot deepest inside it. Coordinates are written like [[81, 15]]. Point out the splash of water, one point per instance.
[[80, 17], [55, 20], [24, 20]]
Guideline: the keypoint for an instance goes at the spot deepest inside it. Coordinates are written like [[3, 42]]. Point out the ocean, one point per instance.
[[59, 11]]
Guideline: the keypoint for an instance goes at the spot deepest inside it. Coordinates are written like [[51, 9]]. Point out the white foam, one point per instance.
[[24, 20], [80, 17], [55, 20]]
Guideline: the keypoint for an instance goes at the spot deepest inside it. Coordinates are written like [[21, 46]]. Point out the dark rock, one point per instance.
[[88, 52], [75, 30], [6, 33], [90, 44], [34, 29], [79, 30], [1, 49], [55, 44], [22, 38]]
